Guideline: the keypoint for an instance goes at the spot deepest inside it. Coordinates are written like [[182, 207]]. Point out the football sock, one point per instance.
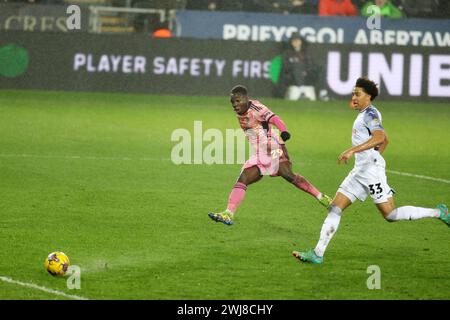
[[329, 228], [303, 184], [412, 213], [236, 196]]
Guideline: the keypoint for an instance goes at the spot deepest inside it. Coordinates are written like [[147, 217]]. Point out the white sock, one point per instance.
[[412, 213], [319, 196], [329, 228]]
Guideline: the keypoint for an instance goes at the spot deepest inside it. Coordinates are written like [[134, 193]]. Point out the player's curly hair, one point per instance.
[[240, 90], [368, 86]]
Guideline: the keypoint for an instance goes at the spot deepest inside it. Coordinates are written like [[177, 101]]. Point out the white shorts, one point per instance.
[[367, 180]]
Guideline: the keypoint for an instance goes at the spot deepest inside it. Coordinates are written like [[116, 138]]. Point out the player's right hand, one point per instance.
[[285, 135], [345, 156]]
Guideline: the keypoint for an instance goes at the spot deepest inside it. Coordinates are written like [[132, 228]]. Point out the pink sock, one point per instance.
[[236, 196], [303, 184]]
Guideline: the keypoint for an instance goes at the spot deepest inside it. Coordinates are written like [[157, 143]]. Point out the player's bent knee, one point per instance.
[[298, 179], [243, 180]]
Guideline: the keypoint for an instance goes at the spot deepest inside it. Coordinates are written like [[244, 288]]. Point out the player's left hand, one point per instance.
[[344, 156], [285, 135]]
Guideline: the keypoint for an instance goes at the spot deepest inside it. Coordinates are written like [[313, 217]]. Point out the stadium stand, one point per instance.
[[144, 16]]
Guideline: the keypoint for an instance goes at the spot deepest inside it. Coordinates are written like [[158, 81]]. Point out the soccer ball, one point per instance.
[[57, 263]]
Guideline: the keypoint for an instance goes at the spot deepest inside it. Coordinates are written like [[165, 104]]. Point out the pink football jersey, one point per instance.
[[255, 123]]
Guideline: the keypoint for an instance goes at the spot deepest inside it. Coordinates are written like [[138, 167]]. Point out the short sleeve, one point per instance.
[[372, 120], [261, 111]]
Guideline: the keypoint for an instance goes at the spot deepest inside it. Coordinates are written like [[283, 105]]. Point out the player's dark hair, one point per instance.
[[240, 90], [368, 86]]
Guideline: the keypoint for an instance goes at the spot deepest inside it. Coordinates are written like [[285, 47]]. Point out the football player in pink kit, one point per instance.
[[270, 158]]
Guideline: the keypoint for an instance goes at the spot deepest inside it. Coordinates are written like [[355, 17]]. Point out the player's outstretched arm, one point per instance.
[[285, 135], [378, 138]]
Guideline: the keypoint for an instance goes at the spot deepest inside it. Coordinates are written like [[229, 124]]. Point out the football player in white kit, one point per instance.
[[368, 177]]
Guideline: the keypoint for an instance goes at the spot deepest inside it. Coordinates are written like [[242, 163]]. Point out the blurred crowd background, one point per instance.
[[388, 8]]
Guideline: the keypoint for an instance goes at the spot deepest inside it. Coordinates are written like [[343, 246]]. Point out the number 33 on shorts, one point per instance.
[[380, 191], [375, 188]]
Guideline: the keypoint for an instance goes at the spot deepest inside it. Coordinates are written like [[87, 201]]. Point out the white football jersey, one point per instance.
[[367, 121]]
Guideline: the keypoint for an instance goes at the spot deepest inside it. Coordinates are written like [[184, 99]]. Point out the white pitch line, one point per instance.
[[406, 174], [35, 286], [24, 155]]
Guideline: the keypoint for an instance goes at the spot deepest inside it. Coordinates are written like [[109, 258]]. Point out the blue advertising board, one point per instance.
[[262, 27]]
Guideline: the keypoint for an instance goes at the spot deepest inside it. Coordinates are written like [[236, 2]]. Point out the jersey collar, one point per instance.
[[365, 108]]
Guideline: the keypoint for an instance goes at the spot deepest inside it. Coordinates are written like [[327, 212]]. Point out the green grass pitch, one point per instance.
[[90, 175]]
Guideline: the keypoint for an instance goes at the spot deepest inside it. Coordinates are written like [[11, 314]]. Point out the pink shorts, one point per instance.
[[268, 164]]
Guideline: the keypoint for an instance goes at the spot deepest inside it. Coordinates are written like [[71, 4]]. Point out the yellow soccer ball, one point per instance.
[[57, 263]]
